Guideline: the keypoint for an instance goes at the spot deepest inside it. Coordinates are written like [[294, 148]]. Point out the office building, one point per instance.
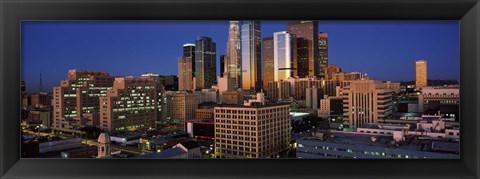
[[133, 104], [312, 97], [421, 73], [189, 51], [250, 34], [268, 61], [234, 56], [40, 99], [225, 83], [440, 100], [298, 86], [306, 35], [233, 97], [322, 53], [283, 55], [205, 63], [181, 106], [331, 107], [185, 78], [394, 86], [366, 101], [252, 131], [278, 90], [78, 95]]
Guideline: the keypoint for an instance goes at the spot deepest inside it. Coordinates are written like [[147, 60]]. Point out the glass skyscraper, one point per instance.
[[283, 55], [205, 62], [234, 63], [251, 56]]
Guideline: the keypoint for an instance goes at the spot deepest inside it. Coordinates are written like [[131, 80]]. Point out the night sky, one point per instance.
[[385, 50]]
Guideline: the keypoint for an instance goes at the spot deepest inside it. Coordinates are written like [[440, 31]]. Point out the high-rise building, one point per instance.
[[331, 70], [306, 35], [322, 53], [181, 106], [189, 51], [77, 96], [234, 60], [366, 101], [250, 34], [205, 62], [223, 66], [252, 131], [312, 97], [225, 84], [283, 55], [298, 86], [421, 73], [279, 90], [268, 62], [185, 78], [40, 99], [134, 103]]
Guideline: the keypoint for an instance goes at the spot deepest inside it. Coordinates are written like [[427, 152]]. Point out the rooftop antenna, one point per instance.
[[40, 88]]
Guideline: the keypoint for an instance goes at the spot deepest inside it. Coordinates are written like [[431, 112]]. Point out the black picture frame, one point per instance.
[[14, 11]]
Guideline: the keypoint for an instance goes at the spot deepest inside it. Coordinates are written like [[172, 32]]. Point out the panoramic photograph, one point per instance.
[[304, 89]]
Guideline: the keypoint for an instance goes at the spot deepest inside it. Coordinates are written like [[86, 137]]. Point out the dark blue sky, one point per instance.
[[385, 50]]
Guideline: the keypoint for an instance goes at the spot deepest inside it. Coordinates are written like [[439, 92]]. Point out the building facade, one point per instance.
[[306, 35], [234, 56], [133, 104], [322, 53], [185, 78], [268, 62], [421, 73], [252, 131], [189, 51], [78, 95], [205, 63], [366, 101], [250, 32], [181, 106], [283, 55]]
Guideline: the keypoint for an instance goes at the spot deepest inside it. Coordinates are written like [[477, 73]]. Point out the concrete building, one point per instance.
[[436, 98], [185, 78], [366, 101], [252, 131], [40, 117], [234, 97], [279, 90], [204, 113], [394, 86], [421, 73], [322, 54], [225, 84], [207, 95], [313, 96], [250, 32], [78, 95], [134, 103], [40, 99], [181, 106], [205, 63], [268, 62], [331, 107], [306, 34], [298, 86]]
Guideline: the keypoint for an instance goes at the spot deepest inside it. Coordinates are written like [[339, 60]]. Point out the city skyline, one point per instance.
[[150, 42]]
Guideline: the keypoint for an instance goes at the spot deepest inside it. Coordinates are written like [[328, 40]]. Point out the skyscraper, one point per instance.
[[366, 101], [251, 56], [306, 35], [283, 44], [267, 62], [322, 53], [222, 65], [205, 62], [189, 51], [185, 78], [421, 73], [234, 62]]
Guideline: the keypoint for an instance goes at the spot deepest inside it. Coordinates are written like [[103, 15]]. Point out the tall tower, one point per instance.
[[322, 53], [104, 149], [251, 56], [189, 51], [421, 73], [223, 66], [306, 35], [267, 62], [205, 62], [283, 44], [234, 63], [185, 78]]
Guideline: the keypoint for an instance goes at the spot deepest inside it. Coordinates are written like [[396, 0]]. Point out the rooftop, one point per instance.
[[167, 153]]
